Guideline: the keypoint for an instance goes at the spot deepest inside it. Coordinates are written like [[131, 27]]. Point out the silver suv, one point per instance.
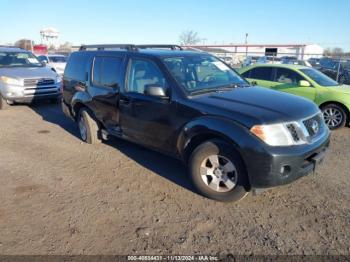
[[24, 79]]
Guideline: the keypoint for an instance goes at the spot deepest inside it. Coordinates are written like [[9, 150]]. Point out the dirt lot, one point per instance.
[[61, 196]]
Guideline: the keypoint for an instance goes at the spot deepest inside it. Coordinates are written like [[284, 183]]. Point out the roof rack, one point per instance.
[[128, 47], [172, 47]]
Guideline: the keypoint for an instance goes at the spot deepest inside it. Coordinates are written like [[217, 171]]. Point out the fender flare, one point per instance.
[[210, 126], [80, 98]]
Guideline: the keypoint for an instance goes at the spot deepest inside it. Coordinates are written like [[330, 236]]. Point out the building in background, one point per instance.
[[300, 51]]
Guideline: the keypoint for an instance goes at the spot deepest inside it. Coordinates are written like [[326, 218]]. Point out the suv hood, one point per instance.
[[256, 105], [28, 72]]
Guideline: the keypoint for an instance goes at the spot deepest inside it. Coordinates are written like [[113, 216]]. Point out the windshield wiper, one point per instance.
[[232, 86], [218, 88], [204, 90]]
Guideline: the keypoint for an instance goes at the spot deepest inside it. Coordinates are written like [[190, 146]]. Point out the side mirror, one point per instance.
[[44, 62], [155, 90], [254, 83], [304, 83]]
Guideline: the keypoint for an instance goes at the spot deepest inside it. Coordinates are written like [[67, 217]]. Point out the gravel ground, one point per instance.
[[61, 196]]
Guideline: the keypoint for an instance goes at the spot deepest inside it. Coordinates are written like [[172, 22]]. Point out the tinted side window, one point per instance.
[[246, 74], [105, 71], [261, 73], [142, 73], [76, 67], [287, 76]]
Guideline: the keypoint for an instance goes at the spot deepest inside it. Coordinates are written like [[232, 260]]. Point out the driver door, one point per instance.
[[146, 119], [287, 80]]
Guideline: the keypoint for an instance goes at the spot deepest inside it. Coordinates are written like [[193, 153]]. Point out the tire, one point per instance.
[[3, 103], [88, 127], [200, 164], [335, 116]]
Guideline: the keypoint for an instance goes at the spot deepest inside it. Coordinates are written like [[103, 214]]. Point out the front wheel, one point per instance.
[[88, 127], [218, 172], [4, 104], [335, 116]]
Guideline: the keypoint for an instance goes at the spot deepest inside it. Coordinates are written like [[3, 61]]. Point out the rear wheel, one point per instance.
[[218, 172], [88, 127], [335, 116]]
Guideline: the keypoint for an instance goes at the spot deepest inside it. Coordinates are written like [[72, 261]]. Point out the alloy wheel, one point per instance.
[[218, 173], [333, 117]]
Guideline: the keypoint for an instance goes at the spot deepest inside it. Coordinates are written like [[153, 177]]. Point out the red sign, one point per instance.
[[40, 49]]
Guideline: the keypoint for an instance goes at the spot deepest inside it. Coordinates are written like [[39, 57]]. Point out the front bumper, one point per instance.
[[28, 94], [276, 166]]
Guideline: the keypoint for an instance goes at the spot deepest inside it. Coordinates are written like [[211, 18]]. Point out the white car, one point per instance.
[[56, 62]]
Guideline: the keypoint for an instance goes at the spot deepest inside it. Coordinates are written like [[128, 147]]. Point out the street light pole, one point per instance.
[[246, 45]]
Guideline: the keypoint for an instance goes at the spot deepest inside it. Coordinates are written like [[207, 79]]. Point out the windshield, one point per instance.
[[18, 59], [202, 72], [346, 66], [58, 59], [319, 77]]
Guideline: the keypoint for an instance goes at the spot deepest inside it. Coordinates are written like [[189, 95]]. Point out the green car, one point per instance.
[[332, 98]]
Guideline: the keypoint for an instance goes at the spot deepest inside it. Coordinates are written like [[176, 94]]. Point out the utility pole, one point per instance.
[[246, 44]]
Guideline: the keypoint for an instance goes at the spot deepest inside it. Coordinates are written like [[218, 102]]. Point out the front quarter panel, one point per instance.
[[209, 126], [326, 95]]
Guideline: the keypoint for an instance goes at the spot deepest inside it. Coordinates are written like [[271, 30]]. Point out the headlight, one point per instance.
[[283, 134], [58, 79], [11, 81]]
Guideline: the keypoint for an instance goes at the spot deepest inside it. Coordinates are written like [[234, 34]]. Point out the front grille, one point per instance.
[[39, 82], [40, 87], [313, 125], [293, 132]]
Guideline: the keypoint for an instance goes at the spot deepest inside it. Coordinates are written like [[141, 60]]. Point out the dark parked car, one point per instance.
[[234, 137], [315, 62], [335, 69]]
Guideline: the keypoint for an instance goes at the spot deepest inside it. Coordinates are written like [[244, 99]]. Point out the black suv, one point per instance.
[[234, 137]]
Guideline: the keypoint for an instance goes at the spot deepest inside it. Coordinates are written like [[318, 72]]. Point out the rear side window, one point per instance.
[[76, 68], [105, 71], [261, 73], [287, 76]]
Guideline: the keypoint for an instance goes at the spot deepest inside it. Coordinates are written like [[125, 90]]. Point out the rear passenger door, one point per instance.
[[262, 76], [146, 119], [105, 83]]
